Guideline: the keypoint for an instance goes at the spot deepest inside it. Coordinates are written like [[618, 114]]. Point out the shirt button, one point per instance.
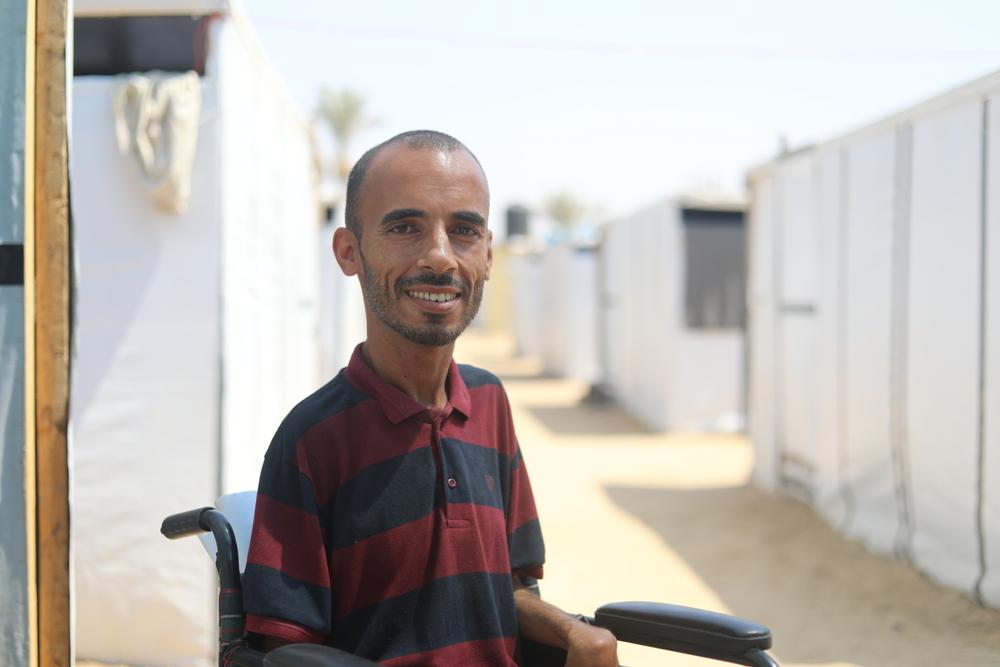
[[452, 482]]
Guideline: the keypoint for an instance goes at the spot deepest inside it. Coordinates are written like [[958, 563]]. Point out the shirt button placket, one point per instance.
[[450, 482]]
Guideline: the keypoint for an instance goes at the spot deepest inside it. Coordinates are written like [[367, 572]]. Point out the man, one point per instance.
[[394, 516]]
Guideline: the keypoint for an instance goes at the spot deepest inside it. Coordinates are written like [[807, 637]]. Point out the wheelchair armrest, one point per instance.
[[313, 655], [684, 629]]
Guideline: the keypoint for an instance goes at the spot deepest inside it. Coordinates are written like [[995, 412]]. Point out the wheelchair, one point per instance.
[[698, 632]]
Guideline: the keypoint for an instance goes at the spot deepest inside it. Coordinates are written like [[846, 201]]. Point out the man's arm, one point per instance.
[[586, 645]]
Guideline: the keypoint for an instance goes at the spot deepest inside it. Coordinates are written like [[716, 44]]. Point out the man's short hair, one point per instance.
[[415, 139]]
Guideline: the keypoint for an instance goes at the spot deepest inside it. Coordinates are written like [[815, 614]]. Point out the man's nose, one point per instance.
[[439, 256]]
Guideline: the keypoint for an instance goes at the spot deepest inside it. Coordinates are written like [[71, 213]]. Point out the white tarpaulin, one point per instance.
[[905, 377], [194, 334]]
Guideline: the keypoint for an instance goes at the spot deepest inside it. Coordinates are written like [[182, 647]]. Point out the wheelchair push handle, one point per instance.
[[185, 524]]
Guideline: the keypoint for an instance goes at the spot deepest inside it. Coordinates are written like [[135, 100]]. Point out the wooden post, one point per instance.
[[30, 449], [51, 297]]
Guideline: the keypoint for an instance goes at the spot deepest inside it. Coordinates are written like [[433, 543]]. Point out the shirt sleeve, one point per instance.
[[524, 533], [286, 585]]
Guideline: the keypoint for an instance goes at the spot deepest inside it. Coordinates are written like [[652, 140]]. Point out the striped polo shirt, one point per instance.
[[390, 530]]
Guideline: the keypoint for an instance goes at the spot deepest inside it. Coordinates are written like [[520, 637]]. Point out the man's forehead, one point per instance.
[[401, 162]]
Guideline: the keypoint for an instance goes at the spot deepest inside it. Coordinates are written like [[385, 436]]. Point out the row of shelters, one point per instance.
[[651, 314], [853, 325], [874, 354]]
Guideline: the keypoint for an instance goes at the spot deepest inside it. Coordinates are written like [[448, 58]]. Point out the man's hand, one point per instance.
[[586, 645], [590, 646]]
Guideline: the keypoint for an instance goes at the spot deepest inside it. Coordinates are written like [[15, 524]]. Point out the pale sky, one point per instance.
[[626, 102]]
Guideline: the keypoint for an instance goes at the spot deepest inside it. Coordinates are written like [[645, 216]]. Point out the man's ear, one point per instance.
[[347, 251], [489, 252]]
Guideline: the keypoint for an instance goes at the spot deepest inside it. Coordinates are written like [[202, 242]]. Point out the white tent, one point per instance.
[[527, 305], [194, 334], [874, 307], [666, 362], [555, 309]]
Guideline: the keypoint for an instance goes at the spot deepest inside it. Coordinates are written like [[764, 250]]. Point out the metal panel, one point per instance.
[[943, 342], [872, 510]]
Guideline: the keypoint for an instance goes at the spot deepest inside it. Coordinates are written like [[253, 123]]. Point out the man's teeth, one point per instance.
[[433, 296]]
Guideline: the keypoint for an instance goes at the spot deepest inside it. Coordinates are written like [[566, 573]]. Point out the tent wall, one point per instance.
[[194, 336], [527, 307], [895, 436], [569, 312], [270, 280], [942, 390], [761, 319], [670, 376], [145, 396], [989, 512]]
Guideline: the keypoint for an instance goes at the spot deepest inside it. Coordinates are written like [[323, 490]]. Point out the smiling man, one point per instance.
[[394, 516]]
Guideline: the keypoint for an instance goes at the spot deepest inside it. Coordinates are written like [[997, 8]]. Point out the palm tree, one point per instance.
[[344, 113], [565, 209]]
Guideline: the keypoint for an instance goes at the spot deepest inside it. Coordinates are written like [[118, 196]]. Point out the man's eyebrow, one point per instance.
[[469, 216], [398, 214]]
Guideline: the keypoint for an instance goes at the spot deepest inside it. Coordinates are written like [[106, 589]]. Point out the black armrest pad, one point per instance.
[[684, 629], [313, 655]]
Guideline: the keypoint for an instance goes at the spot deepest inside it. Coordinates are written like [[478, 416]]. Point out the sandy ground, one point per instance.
[[629, 515]]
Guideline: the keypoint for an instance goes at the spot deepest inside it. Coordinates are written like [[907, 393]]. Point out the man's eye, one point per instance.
[[401, 228], [466, 230]]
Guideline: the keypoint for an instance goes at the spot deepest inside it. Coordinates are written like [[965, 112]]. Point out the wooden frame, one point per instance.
[[48, 302]]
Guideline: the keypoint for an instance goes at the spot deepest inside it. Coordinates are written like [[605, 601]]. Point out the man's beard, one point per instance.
[[434, 332]]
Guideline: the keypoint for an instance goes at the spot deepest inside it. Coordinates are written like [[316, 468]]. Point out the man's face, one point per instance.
[[425, 250]]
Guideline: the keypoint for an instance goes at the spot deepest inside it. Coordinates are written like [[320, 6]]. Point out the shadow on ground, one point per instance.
[[824, 597], [586, 419]]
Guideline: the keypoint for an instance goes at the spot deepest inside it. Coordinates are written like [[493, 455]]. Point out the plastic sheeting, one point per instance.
[[194, 334], [902, 445]]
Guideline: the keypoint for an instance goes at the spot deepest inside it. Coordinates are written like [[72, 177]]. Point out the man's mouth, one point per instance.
[[436, 297]]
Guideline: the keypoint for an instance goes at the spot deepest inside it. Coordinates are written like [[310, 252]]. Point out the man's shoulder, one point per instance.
[[334, 397], [474, 376]]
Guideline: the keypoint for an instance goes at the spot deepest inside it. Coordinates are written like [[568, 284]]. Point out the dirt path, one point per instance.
[[630, 515]]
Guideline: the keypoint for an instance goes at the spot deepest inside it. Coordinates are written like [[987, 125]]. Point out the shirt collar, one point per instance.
[[396, 404]]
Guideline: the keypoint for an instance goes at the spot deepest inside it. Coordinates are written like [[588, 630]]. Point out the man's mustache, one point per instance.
[[433, 280]]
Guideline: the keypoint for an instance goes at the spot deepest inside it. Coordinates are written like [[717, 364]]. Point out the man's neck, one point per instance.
[[420, 371]]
